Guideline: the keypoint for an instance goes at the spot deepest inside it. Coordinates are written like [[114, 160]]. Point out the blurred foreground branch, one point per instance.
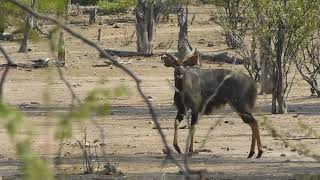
[[5, 72], [116, 63]]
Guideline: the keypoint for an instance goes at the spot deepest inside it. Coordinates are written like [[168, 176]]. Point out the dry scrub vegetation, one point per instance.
[[89, 120]]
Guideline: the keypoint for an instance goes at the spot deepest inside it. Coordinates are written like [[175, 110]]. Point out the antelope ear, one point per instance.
[[169, 60], [192, 59]]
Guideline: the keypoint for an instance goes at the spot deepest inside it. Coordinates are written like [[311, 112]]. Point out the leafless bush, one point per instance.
[[127, 38], [233, 17], [89, 155], [308, 64], [251, 60]]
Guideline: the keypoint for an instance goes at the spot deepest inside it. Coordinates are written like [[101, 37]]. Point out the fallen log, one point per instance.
[[38, 63], [296, 139], [132, 53], [19, 66], [7, 37], [9, 65], [223, 57]]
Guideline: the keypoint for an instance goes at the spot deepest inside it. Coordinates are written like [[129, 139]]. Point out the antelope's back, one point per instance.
[[219, 85]]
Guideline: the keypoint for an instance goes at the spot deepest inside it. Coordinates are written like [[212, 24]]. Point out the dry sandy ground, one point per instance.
[[130, 140]]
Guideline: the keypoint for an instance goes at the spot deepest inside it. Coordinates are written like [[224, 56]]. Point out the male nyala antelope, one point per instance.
[[202, 90]]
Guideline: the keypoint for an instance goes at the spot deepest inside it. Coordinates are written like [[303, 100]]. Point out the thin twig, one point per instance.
[[116, 63], [3, 78], [6, 56], [97, 158], [65, 81], [300, 148], [57, 162], [290, 85], [5, 72], [102, 136], [202, 145]]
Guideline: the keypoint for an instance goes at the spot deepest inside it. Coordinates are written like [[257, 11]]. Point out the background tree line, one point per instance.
[[275, 38]]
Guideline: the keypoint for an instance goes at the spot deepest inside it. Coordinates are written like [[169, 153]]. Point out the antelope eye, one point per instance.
[[180, 76], [179, 72]]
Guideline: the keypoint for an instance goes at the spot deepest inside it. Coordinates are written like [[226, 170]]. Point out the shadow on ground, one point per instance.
[[264, 168]]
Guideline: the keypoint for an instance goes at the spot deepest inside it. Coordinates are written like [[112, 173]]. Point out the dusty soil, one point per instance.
[[130, 140]]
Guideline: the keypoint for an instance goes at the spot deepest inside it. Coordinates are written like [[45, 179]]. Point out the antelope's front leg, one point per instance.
[[177, 121], [194, 118]]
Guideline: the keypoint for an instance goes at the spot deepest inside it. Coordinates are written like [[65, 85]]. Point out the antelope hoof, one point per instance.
[[176, 147], [259, 154], [250, 154]]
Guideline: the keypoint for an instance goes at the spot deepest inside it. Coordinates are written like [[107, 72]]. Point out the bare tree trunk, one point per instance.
[[61, 61], [26, 34], [2, 24], [99, 35], [317, 92], [184, 47], [279, 88], [144, 26], [29, 22], [92, 16], [67, 10], [274, 90], [315, 87], [266, 68], [151, 25], [264, 74], [61, 50]]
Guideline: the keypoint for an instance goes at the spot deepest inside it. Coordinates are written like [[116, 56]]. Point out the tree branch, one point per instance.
[[5, 72], [6, 57], [116, 63]]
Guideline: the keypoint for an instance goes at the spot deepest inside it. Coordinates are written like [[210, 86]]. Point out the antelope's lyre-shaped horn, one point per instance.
[[170, 60]]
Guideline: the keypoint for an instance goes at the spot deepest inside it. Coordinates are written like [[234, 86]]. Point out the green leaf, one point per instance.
[[115, 6], [96, 103], [120, 91], [13, 118], [34, 167]]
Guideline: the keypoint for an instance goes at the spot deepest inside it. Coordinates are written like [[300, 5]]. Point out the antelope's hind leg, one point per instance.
[[249, 119], [253, 142], [257, 133]]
